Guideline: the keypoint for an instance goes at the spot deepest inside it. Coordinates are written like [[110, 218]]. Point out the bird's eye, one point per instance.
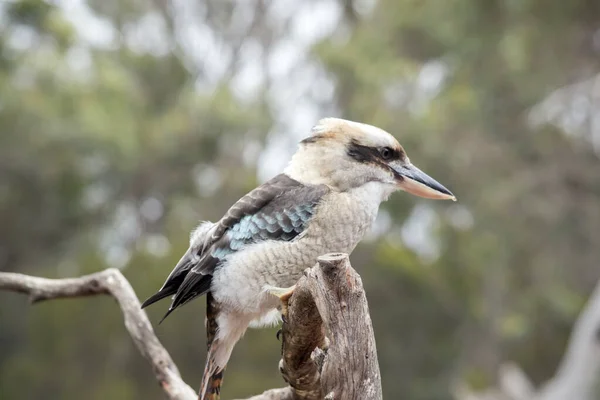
[[386, 153]]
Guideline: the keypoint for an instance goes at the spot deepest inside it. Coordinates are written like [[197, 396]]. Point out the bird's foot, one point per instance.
[[278, 334], [282, 293]]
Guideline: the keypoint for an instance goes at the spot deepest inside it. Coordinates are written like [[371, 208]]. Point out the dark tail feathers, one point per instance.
[[166, 292]]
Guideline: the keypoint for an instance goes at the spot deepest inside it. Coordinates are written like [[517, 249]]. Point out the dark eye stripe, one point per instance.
[[366, 154]]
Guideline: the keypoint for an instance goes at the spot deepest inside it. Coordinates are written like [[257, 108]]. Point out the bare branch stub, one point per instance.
[[328, 349], [302, 333], [113, 283], [350, 368], [328, 346]]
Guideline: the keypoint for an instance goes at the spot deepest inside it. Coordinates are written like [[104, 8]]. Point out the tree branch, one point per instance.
[[340, 298], [577, 375], [110, 282], [286, 393], [328, 346], [575, 378]]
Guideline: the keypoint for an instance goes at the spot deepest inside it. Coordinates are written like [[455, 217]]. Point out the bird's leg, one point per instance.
[[212, 379]]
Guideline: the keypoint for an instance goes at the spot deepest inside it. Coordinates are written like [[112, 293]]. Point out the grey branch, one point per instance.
[[110, 282], [328, 349], [577, 376]]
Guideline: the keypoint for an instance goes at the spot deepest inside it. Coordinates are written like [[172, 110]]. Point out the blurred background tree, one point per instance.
[[124, 123]]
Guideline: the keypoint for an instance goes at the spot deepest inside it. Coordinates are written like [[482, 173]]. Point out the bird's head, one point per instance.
[[345, 154]]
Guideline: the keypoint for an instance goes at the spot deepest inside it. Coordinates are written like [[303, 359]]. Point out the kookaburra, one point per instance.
[[325, 201]]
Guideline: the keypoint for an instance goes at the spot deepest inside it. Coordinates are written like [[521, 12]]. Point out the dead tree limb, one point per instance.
[[286, 393], [577, 374], [576, 377], [110, 282], [350, 366], [328, 347]]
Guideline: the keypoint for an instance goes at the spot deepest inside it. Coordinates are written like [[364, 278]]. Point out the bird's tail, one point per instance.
[[213, 373]]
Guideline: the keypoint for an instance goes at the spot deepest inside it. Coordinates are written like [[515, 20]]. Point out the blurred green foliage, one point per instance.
[[100, 163]]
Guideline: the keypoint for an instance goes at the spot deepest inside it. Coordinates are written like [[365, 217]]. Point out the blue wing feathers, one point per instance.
[[280, 225]]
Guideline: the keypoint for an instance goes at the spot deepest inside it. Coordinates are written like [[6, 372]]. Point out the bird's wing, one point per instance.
[[277, 210]]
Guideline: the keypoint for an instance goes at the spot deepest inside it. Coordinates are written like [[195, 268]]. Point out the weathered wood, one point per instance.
[[302, 333], [350, 367], [328, 349], [286, 393], [110, 282]]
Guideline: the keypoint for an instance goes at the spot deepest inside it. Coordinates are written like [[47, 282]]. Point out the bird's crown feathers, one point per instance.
[[344, 131]]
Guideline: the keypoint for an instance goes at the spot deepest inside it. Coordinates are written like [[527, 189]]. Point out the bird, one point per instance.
[[324, 201]]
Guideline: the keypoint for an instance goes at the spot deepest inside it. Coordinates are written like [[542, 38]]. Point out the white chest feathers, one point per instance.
[[343, 218]]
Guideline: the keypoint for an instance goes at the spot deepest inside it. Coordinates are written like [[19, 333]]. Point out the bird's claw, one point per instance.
[[278, 334], [282, 293]]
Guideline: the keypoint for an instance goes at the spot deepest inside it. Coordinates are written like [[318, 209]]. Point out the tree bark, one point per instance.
[[328, 349], [350, 367]]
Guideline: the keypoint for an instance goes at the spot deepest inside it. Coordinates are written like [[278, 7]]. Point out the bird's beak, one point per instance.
[[414, 181]]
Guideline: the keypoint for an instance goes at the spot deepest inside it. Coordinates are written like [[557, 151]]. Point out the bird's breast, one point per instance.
[[341, 222]]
